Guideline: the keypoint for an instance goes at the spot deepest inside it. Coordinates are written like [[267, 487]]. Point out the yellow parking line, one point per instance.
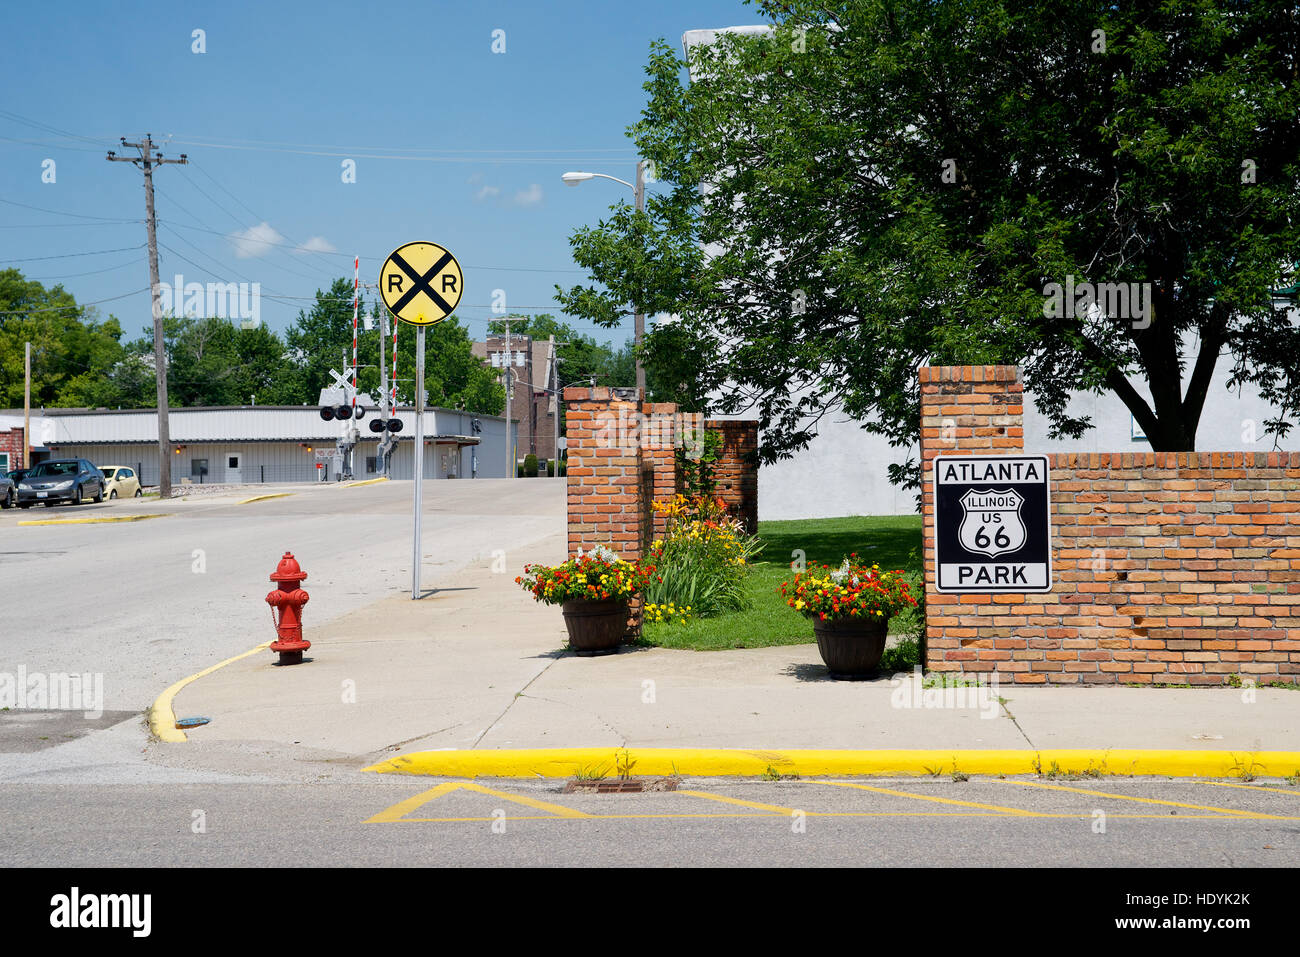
[[90, 521], [398, 811], [1255, 787], [774, 809], [1141, 800], [382, 818], [1019, 812], [365, 482], [263, 498]]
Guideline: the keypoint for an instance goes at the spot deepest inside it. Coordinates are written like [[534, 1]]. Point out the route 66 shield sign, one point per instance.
[[991, 524]]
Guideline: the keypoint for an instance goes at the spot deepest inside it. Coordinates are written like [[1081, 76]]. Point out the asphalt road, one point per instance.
[[146, 603], [380, 821]]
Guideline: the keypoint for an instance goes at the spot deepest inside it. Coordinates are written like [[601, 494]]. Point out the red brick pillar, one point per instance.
[[736, 471], [965, 410], [659, 456], [604, 471]]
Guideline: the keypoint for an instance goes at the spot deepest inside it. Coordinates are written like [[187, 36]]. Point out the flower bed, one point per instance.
[[699, 564]]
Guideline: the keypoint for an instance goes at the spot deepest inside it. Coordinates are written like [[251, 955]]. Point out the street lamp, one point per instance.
[[638, 191]]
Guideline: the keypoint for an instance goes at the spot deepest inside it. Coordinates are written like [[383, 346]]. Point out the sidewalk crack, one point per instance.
[[518, 694], [1003, 703]]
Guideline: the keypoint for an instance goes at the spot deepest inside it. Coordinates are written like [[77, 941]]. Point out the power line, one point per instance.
[[59, 212], [80, 305], [76, 275], [93, 252]]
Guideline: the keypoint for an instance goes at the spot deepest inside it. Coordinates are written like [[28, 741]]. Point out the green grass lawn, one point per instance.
[[887, 540]]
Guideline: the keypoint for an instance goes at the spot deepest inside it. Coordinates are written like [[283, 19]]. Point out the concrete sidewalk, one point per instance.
[[478, 665]]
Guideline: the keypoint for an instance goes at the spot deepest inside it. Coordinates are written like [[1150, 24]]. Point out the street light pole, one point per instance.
[[639, 321], [638, 193]]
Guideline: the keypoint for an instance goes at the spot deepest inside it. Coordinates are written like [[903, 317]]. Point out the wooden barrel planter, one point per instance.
[[851, 647], [595, 627]]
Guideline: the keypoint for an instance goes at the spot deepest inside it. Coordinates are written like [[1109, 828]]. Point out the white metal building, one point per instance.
[[256, 444]]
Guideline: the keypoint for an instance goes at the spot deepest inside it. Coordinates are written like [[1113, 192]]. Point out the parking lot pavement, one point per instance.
[[384, 821]]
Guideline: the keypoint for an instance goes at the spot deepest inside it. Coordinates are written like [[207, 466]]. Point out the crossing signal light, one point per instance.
[[327, 413], [394, 425]]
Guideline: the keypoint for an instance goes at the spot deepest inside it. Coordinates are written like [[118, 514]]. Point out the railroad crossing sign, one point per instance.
[[421, 283], [992, 524]]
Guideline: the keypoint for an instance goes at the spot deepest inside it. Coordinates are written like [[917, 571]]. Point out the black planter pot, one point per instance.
[[851, 647], [595, 627]]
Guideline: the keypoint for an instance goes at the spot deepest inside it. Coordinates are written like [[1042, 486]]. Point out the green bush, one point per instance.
[[563, 466], [530, 465]]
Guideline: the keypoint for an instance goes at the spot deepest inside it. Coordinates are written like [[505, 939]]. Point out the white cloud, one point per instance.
[[255, 241], [528, 197], [317, 244], [487, 192]]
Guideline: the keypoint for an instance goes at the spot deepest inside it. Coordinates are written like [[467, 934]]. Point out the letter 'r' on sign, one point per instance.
[[421, 283]]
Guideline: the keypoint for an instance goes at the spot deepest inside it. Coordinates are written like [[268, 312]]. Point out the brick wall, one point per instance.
[[604, 472], [736, 471], [11, 441], [1168, 567]]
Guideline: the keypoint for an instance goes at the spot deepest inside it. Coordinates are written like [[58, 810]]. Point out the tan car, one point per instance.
[[120, 482]]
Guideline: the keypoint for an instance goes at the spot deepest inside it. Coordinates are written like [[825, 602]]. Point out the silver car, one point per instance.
[[63, 480]]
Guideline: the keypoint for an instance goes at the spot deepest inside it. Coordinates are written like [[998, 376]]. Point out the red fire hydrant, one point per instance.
[[289, 598]]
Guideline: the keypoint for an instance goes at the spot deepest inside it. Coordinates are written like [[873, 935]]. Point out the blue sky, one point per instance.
[[452, 142]]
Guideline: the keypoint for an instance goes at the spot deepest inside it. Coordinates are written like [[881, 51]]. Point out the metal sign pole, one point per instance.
[[419, 456]]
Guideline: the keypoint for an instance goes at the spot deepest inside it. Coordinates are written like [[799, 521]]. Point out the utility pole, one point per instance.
[[509, 383], [27, 406], [146, 161]]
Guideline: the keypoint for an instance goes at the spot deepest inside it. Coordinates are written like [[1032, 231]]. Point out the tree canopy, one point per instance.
[[81, 361], [871, 186]]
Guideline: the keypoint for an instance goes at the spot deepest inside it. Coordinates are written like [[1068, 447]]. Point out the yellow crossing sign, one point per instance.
[[421, 283]]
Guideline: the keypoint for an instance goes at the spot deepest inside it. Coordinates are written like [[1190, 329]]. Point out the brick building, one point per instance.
[[533, 404]]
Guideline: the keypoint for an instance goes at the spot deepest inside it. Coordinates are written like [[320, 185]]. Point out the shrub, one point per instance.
[[530, 465], [697, 472], [700, 564]]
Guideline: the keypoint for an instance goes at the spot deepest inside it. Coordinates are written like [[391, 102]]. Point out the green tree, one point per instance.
[[884, 185], [318, 341], [74, 354]]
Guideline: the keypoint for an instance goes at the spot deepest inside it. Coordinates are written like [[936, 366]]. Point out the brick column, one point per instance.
[[604, 471], [736, 471], [659, 455], [965, 410]]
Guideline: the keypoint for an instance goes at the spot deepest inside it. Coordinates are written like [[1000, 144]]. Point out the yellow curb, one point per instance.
[[707, 762], [382, 478], [90, 521], [162, 719], [263, 498]]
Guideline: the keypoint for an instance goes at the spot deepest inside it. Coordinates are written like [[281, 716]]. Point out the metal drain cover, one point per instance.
[[621, 786]]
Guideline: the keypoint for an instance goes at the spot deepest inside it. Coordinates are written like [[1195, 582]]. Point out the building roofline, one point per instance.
[[58, 412]]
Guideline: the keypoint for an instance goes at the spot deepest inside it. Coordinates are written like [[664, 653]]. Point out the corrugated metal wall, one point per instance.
[[288, 461]]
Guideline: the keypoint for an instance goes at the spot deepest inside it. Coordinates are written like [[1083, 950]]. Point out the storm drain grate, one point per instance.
[[621, 786]]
